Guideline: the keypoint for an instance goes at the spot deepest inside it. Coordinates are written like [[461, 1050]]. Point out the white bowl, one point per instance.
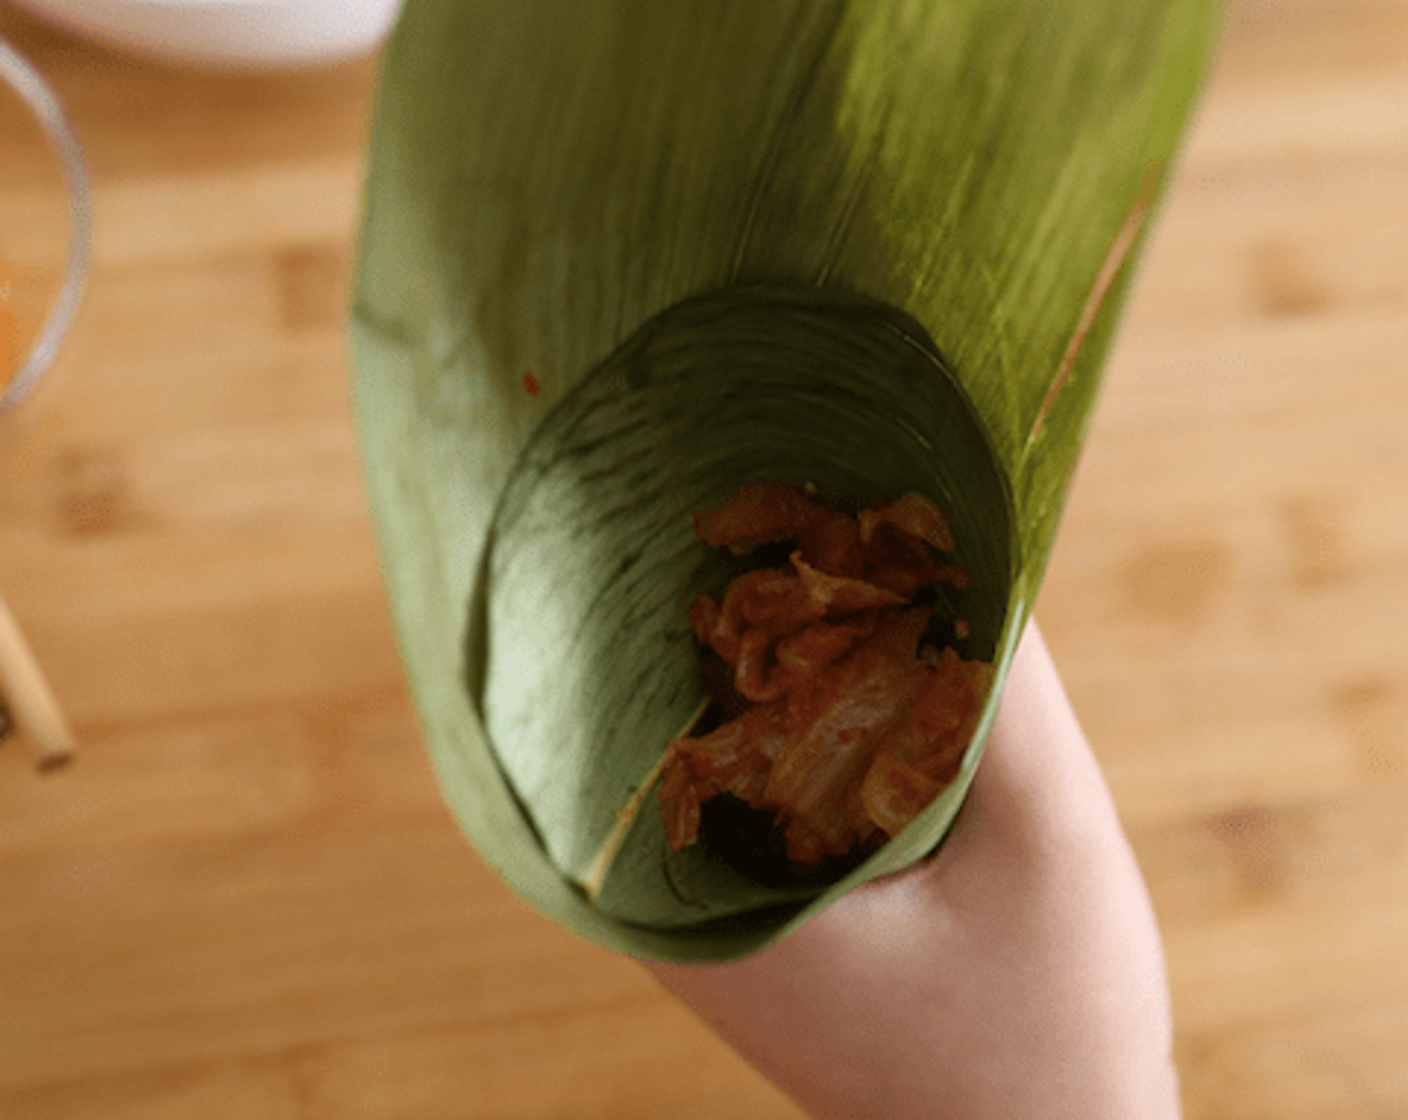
[[228, 32]]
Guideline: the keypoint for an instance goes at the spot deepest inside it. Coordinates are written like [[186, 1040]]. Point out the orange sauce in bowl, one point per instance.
[[9, 324]]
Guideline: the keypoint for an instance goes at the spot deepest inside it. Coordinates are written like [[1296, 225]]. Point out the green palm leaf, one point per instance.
[[616, 259]]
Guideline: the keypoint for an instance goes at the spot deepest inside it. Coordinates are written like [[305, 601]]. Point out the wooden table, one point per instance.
[[245, 898]]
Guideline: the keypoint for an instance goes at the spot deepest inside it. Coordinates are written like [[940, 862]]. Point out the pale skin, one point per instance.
[[1019, 973]]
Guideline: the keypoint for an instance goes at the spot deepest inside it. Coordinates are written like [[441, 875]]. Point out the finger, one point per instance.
[[1038, 782], [1039, 774]]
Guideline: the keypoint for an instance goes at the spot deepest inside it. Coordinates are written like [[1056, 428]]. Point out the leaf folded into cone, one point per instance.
[[617, 260]]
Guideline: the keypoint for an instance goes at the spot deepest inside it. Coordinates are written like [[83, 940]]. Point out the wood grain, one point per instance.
[[246, 899]]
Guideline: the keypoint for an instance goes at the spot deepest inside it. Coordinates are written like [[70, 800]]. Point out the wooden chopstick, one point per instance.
[[28, 700]]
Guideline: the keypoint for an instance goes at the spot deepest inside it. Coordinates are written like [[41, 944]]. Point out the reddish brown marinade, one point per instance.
[[841, 721], [9, 326]]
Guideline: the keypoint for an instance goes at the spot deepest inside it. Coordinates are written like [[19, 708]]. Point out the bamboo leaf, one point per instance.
[[617, 259]]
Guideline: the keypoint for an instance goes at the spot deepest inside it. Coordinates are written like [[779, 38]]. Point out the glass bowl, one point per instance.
[[45, 230]]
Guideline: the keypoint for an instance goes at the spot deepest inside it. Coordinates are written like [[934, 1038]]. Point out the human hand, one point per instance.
[[1017, 973]]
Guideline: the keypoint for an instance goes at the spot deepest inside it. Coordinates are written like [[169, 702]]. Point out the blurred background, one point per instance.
[[245, 898]]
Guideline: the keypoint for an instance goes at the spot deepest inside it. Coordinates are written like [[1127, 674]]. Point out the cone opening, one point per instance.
[[580, 658]]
